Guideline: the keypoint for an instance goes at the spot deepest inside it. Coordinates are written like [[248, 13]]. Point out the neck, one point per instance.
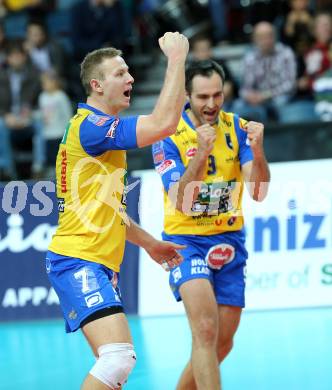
[[195, 121], [100, 105]]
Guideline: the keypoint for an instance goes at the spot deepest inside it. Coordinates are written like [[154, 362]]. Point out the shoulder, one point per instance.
[[282, 48], [251, 56]]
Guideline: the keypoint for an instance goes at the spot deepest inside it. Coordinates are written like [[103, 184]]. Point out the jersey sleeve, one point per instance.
[[245, 153], [99, 134], [167, 162]]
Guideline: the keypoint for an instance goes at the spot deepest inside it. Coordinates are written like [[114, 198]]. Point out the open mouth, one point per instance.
[[127, 93], [210, 114]]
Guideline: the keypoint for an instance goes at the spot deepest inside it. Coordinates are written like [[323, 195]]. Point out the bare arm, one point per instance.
[[188, 186], [165, 116], [256, 173], [160, 251]]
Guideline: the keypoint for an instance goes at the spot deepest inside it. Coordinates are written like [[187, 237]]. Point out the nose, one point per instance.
[[130, 79], [210, 102]]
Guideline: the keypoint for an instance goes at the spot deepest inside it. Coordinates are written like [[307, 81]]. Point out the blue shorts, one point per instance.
[[83, 287], [219, 258]]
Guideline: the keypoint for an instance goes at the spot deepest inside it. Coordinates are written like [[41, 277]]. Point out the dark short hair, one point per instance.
[[90, 66], [203, 68], [15, 46]]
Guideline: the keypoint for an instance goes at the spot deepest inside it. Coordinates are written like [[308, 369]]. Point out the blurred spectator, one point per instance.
[[298, 24], [201, 49], [316, 59], [3, 9], [218, 13], [45, 54], [269, 76], [96, 23], [324, 5], [3, 46], [56, 111], [322, 87], [297, 33], [20, 86]]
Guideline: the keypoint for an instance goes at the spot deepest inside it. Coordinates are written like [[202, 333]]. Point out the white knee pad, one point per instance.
[[114, 364]]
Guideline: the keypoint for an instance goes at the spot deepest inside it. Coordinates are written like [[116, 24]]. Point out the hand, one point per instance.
[[174, 45], [206, 135], [303, 83], [165, 253], [255, 133]]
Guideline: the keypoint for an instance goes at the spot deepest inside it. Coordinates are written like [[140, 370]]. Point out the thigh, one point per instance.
[[107, 330], [200, 303]]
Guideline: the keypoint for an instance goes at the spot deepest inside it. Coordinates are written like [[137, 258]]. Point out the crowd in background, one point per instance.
[[286, 73]]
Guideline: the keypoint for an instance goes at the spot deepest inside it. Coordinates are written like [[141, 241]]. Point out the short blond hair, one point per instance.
[[90, 66]]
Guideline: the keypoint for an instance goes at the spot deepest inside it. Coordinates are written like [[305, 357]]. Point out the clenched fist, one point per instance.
[[174, 45], [255, 132], [206, 136]]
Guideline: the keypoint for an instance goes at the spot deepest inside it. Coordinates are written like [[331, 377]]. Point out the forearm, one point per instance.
[[172, 96], [190, 183], [163, 120], [259, 178], [138, 236]]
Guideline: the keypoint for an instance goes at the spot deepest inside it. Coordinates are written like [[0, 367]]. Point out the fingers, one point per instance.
[[254, 131], [174, 43], [179, 246], [173, 261], [252, 126]]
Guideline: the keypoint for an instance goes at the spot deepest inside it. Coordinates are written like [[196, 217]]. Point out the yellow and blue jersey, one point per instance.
[[217, 209], [91, 180]]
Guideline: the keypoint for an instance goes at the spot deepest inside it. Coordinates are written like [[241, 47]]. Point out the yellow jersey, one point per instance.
[[90, 183], [217, 208]]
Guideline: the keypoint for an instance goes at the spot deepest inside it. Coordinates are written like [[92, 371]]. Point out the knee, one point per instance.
[[114, 364], [205, 331], [224, 349]]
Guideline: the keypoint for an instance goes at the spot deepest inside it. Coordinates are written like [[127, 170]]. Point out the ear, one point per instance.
[[95, 86]]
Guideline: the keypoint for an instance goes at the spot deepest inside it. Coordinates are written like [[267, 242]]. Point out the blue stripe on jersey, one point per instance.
[[171, 153], [100, 132], [245, 153]]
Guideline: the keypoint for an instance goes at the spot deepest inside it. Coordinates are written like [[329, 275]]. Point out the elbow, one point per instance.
[[258, 197], [259, 192], [167, 123], [169, 128]]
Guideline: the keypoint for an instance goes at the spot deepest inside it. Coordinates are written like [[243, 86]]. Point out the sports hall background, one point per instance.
[[284, 340]]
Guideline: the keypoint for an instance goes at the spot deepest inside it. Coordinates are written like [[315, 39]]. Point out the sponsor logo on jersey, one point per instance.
[[191, 152], [111, 130], [61, 205], [231, 221], [165, 166], [219, 255], [180, 131], [98, 120], [227, 123], [63, 170], [177, 275], [158, 152], [94, 299], [72, 315], [229, 141]]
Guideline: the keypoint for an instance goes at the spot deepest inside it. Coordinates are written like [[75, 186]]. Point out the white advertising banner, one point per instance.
[[289, 240]]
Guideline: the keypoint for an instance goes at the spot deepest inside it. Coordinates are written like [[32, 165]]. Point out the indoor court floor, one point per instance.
[[274, 350]]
